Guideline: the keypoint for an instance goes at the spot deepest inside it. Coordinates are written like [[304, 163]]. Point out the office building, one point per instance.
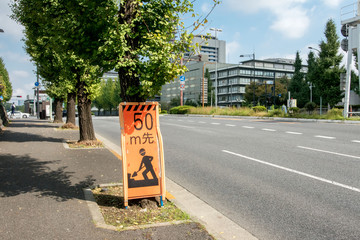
[[233, 79], [214, 48]]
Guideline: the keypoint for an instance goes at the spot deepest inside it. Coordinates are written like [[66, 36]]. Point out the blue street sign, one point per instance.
[[36, 84], [1, 98], [182, 78]]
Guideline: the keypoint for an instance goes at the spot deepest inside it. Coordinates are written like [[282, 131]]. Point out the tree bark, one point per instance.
[[70, 115], [3, 115], [58, 110], [86, 127], [129, 84]]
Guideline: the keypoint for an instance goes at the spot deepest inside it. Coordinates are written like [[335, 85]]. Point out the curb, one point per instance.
[[98, 218], [215, 222]]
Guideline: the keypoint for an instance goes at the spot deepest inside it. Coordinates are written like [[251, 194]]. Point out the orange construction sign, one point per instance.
[[142, 151]]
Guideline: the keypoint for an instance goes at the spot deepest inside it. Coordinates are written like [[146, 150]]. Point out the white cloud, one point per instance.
[[292, 23], [206, 7], [9, 26], [291, 18], [332, 3], [19, 74], [232, 51]]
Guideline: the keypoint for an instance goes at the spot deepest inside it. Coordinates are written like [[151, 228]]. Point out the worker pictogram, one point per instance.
[[142, 152], [146, 167]]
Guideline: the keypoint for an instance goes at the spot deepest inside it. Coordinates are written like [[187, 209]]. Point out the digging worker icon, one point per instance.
[[146, 162]]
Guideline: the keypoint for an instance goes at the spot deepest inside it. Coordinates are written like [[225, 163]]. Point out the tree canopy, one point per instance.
[[5, 84]]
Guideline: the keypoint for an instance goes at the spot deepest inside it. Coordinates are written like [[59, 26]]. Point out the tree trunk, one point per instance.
[[86, 127], [58, 110], [129, 84], [3, 115], [70, 115]]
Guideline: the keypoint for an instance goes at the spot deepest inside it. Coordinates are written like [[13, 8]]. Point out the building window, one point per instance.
[[222, 82], [223, 90], [222, 74], [245, 80], [223, 99], [246, 72], [233, 81], [233, 72], [259, 73], [242, 89]]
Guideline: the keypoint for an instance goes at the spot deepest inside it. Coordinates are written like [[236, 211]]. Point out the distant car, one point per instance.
[[18, 114]]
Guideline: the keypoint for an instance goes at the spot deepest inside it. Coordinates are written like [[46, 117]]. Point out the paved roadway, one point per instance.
[[276, 179]]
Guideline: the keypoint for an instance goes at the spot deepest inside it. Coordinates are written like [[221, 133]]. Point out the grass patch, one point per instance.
[[85, 144], [139, 212]]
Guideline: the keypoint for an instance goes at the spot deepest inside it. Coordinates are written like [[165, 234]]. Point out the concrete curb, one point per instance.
[[215, 222], [98, 218]]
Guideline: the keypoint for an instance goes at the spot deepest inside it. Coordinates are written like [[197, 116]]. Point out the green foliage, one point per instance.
[[310, 107], [335, 113], [5, 84], [265, 93], [163, 111], [259, 109], [294, 110], [276, 113], [328, 67], [298, 87], [180, 109]]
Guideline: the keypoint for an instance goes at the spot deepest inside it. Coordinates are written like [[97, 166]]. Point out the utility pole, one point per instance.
[[37, 94]]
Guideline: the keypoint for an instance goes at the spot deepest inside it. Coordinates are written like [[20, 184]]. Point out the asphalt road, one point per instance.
[[276, 179]]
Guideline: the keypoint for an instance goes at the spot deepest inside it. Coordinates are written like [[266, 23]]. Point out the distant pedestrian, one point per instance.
[[12, 110]]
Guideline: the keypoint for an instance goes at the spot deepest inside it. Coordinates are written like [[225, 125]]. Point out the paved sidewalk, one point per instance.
[[41, 186]]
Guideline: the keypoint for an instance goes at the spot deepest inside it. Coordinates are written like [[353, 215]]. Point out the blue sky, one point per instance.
[[270, 28]]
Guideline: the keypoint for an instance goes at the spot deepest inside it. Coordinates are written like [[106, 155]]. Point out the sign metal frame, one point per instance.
[[139, 113]]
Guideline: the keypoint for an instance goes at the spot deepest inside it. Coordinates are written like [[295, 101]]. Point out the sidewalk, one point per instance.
[[41, 184]]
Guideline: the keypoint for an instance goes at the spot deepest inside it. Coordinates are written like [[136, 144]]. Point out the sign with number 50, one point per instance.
[[142, 151]]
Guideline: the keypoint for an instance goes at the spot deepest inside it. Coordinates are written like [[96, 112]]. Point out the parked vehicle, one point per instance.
[[18, 114]]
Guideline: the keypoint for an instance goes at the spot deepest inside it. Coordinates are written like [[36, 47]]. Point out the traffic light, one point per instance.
[[345, 42], [19, 96]]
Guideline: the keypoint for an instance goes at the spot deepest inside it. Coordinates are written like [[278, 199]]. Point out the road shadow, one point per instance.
[[23, 174], [12, 136], [32, 123]]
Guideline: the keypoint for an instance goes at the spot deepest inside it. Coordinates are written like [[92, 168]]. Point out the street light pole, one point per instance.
[[216, 30]]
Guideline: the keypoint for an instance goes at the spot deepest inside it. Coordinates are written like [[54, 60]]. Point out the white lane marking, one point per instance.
[[180, 120], [248, 127], [326, 137], [191, 121], [215, 123], [269, 130], [295, 133], [324, 151], [176, 125], [355, 141], [296, 172], [230, 125], [202, 122]]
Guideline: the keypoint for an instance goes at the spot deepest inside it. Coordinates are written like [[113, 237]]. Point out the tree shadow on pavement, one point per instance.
[[23, 174], [17, 123], [10, 136]]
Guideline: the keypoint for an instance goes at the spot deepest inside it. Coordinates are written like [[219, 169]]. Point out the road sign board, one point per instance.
[[182, 86], [142, 151], [37, 84], [1, 98], [182, 78]]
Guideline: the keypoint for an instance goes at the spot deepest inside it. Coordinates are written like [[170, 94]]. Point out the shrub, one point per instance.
[[163, 111], [310, 107], [276, 113], [335, 113], [259, 109], [180, 109], [294, 110]]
